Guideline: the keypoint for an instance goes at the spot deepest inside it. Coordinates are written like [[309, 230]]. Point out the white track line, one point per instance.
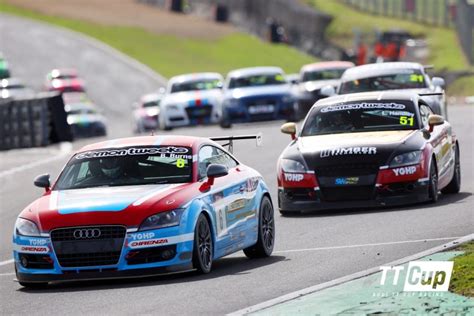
[[366, 245], [64, 150], [347, 278], [4, 263]]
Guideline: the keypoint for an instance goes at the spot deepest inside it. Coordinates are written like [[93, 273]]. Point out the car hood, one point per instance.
[[366, 147], [190, 97], [272, 90], [126, 205]]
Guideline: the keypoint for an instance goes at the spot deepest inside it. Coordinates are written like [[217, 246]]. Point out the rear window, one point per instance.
[[257, 80], [367, 116], [326, 74], [127, 166]]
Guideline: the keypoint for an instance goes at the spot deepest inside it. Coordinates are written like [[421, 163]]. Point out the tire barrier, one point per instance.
[[33, 122]]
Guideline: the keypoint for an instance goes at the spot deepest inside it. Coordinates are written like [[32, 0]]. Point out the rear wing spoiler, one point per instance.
[[230, 140]]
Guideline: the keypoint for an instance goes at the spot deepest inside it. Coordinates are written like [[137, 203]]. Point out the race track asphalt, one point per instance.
[[310, 249]]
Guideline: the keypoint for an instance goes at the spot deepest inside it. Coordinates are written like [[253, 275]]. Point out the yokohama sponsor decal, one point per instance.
[[30, 249], [404, 171], [135, 242], [343, 151]]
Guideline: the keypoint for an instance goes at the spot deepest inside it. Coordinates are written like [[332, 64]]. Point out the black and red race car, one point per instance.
[[368, 149]]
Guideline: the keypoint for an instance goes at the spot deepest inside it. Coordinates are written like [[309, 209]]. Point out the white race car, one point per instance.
[[191, 99]]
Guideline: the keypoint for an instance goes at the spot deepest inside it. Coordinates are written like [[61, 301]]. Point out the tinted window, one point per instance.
[[327, 74], [257, 80], [151, 104], [213, 155], [405, 79], [207, 84], [360, 117], [127, 166]]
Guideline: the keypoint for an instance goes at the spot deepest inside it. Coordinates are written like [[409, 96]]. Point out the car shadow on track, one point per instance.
[[227, 266], [443, 200]]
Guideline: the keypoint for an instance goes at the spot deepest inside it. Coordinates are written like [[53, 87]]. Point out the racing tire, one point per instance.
[[202, 250], [433, 183], [454, 185], [266, 232]]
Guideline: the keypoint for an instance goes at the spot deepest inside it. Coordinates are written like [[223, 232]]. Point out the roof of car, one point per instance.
[[371, 70], [196, 76], [169, 140], [327, 65], [8, 82], [63, 71], [151, 97], [369, 96], [242, 72]]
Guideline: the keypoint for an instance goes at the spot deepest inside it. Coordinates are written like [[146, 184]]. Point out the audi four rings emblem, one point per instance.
[[87, 233]]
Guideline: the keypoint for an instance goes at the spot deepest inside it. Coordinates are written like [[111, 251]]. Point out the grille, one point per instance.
[[262, 102], [347, 193], [199, 111], [102, 250], [347, 170]]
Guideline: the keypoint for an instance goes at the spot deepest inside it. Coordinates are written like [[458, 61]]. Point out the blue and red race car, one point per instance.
[[140, 206]]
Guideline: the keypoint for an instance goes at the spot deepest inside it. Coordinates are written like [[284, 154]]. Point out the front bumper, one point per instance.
[[315, 201], [142, 254]]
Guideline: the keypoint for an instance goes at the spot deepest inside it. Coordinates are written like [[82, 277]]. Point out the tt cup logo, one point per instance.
[[429, 276]]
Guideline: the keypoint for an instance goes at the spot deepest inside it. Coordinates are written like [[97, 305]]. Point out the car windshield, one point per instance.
[[257, 80], [204, 84], [127, 166], [409, 79], [326, 74], [367, 116], [65, 76], [150, 104]]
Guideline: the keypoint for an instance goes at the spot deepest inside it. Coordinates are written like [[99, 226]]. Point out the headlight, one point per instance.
[[289, 165], [410, 158], [162, 220], [26, 228]]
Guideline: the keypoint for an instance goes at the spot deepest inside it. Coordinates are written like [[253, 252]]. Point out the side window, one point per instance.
[[209, 155], [425, 112]]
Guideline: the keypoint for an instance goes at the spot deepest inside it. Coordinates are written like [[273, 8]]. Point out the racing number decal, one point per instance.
[[405, 120], [180, 163], [416, 78]]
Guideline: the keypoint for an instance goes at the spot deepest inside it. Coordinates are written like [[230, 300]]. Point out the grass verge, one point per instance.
[[462, 280], [170, 55]]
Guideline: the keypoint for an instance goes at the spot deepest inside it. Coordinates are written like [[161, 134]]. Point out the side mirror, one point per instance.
[[438, 82], [327, 91], [434, 120], [216, 171], [289, 128], [42, 181]]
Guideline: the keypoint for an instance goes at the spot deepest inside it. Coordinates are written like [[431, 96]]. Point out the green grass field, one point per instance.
[[170, 55], [462, 281]]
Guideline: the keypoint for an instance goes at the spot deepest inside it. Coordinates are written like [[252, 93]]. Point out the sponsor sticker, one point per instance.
[[343, 151], [402, 171], [293, 177], [346, 181], [173, 152], [429, 276], [363, 106], [31, 249]]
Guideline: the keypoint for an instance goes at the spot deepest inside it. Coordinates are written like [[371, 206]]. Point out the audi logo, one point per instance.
[[87, 233]]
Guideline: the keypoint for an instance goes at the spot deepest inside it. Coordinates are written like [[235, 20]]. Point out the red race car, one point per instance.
[[64, 80]]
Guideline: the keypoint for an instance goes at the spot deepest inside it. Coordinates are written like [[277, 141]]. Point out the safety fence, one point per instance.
[[458, 14], [33, 122]]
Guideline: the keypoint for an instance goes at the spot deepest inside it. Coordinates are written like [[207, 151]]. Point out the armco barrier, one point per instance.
[[33, 122]]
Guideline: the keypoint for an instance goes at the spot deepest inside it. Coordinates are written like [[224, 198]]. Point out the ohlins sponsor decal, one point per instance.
[[293, 177], [173, 152], [363, 106], [404, 171], [344, 151]]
